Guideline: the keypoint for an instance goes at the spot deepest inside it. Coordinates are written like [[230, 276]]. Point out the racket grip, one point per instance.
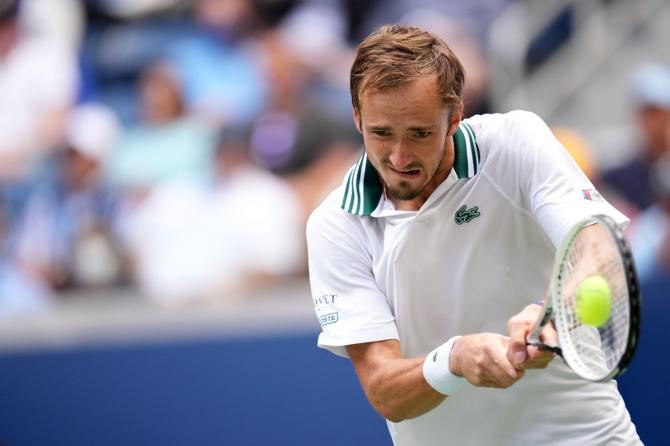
[[552, 348], [533, 337]]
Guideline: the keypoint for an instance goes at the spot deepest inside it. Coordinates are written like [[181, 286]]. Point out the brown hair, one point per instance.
[[393, 55]]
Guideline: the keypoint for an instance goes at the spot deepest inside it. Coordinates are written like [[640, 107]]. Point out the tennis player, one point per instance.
[[425, 262]]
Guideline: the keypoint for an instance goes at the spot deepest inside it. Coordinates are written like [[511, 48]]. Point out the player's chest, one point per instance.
[[484, 246]]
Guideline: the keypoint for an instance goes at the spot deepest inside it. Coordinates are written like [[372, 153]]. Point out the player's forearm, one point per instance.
[[396, 386], [398, 390]]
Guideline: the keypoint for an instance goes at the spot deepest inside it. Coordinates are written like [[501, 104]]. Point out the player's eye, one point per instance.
[[421, 134], [380, 132]]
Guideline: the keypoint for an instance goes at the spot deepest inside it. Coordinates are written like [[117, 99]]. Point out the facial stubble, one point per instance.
[[404, 192]]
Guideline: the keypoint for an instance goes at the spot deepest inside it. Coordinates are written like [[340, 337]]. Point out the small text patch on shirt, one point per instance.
[[329, 318], [592, 195]]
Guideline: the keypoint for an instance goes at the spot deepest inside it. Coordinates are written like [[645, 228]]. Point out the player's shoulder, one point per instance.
[[505, 125], [507, 134], [330, 219]]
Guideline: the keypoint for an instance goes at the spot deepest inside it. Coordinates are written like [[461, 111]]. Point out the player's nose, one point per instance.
[[401, 157]]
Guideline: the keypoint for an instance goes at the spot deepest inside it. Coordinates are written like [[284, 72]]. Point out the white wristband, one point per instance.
[[436, 369]]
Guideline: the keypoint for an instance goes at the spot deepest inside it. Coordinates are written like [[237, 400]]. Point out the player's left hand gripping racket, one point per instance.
[[595, 246]]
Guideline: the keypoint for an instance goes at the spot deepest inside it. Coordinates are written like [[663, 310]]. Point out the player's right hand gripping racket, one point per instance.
[[595, 246]]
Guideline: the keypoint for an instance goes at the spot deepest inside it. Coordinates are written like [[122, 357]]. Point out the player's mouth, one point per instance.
[[406, 173]]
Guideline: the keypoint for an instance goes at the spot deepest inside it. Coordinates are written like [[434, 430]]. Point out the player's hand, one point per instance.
[[481, 358], [524, 356]]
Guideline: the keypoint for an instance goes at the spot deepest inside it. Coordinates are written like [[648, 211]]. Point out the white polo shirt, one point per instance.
[[477, 252]]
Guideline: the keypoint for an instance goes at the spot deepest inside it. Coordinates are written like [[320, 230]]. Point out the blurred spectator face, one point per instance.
[[160, 96], [81, 171], [655, 125], [8, 32], [287, 75], [230, 156], [8, 12], [650, 87], [227, 18], [90, 134], [232, 151], [660, 180], [8, 25]]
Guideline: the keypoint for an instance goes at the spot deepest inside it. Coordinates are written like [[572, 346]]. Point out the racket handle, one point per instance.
[[552, 348], [533, 337]]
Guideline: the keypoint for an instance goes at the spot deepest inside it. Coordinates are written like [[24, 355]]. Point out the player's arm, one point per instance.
[[397, 387], [394, 386]]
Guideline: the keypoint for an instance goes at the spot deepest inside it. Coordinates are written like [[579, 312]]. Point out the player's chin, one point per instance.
[[404, 191], [407, 188]]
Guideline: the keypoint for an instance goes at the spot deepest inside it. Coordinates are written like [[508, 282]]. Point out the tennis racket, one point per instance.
[[594, 246]]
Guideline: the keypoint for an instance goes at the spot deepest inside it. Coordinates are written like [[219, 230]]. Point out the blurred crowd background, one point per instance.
[[175, 148]]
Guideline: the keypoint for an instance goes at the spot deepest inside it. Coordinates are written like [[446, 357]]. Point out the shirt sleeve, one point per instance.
[[349, 305], [553, 187]]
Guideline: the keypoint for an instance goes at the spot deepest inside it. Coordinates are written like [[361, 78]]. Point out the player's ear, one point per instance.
[[455, 117], [358, 121]]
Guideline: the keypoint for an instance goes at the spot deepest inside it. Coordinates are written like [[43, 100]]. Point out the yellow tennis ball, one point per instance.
[[594, 301]]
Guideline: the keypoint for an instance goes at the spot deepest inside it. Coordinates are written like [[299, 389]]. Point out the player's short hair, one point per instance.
[[395, 55]]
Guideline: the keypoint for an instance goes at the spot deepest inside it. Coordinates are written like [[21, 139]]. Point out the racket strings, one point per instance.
[[595, 350]]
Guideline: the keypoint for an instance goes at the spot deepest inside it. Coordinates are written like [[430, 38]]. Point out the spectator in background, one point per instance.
[[320, 62], [67, 236], [301, 134], [650, 231], [651, 92], [38, 81], [216, 241], [219, 67], [476, 15], [579, 150], [21, 291], [55, 20], [193, 239], [168, 143], [265, 240]]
